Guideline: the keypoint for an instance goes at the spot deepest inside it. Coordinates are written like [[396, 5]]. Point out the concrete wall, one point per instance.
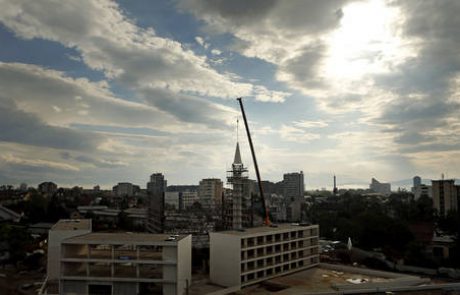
[[121, 288], [184, 264], [74, 288], [225, 259], [55, 238], [170, 270]]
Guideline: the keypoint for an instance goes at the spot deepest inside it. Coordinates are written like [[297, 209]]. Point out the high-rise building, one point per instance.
[[445, 196], [210, 193], [380, 187], [157, 183], [417, 180], [293, 186], [156, 188]]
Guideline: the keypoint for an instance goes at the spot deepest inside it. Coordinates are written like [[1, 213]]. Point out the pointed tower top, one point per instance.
[[237, 159]]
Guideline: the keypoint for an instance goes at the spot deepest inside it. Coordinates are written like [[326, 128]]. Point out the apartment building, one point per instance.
[[121, 263], [445, 196], [257, 254], [210, 193]]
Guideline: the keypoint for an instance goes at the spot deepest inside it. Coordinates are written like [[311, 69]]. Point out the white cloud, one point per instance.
[[310, 124], [216, 51], [112, 43], [299, 135], [201, 41], [14, 160]]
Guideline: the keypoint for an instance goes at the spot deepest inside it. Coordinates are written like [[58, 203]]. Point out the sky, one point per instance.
[[100, 92]]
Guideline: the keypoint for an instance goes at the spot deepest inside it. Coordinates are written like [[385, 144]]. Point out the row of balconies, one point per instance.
[[115, 270], [277, 259], [274, 249], [111, 252], [277, 238], [285, 267]]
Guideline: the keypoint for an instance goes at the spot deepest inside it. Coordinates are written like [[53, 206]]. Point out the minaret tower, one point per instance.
[[236, 178], [335, 191]]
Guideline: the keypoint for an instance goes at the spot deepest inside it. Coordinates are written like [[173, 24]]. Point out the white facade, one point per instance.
[[122, 263], [380, 187], [258, 254], [65, 228], [422, 190]]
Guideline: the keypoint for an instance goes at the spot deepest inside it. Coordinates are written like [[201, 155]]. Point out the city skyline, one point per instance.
[[100, 92]]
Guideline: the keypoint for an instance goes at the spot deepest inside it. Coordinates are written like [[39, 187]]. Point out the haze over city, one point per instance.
[[99, 92]]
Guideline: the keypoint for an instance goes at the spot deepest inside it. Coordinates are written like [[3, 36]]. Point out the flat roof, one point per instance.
[[122, 238], [332, 279], [72, 224], [279, 228]]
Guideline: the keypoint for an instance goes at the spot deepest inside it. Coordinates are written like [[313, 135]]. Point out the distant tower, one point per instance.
[[236, 178], [335, 191], [417, 181]]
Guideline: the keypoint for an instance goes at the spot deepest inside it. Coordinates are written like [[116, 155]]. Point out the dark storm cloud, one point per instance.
[[240, 10], [311, 16], [302, 68], [21, 127]]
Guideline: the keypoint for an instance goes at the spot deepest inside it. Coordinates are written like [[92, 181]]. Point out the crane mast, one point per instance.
[[261, 191]]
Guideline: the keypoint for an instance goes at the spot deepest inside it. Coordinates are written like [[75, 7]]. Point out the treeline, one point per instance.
[[384, 224]]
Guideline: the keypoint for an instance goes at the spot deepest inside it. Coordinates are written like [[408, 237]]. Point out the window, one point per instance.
[[100, 289]]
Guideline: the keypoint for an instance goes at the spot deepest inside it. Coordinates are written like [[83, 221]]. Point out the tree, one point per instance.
[[36, 208], [124, 222]]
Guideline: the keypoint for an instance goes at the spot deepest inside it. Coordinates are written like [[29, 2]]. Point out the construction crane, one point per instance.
[[261, 191]]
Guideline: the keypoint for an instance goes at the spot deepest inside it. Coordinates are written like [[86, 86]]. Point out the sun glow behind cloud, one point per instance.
[[368, 41]]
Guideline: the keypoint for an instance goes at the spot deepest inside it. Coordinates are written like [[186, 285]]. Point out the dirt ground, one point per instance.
[[13, 282]]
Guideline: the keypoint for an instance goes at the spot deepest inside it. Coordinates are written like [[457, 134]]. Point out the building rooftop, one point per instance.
[[328, 279], [122, 238], [267, 229], [72, 224]]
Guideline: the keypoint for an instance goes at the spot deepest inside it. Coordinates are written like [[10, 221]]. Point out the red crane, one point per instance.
[[266, 215]]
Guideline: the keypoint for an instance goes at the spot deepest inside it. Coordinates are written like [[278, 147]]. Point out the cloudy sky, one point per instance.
[[98, 92]]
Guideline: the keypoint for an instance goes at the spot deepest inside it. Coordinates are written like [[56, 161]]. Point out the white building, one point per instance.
[[422, 190], [380, 187], [261, 253], [419, 189], [83, 262]]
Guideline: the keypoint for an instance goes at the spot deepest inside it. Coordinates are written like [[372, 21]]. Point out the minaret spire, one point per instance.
[[237, 159]]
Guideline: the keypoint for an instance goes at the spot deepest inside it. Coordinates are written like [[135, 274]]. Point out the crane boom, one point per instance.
[[266, 215]]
